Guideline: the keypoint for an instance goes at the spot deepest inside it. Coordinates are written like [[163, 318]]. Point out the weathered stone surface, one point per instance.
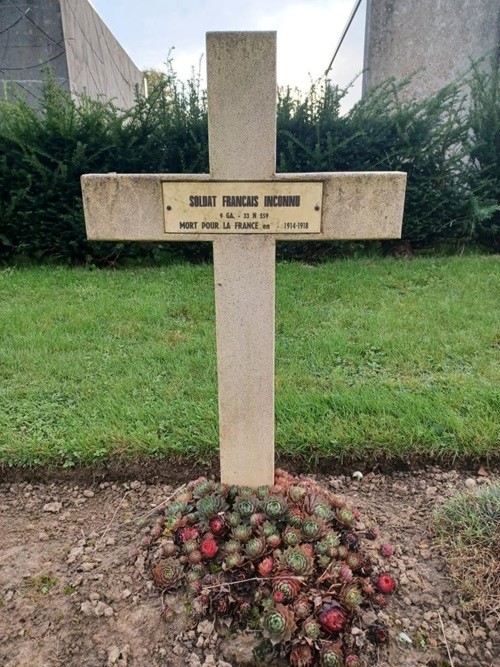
[[244, 302], [241, 90], [71, 38], [356, 205], [435, 40]]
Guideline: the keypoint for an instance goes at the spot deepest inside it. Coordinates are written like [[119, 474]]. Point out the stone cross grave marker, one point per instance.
[[243, 207]]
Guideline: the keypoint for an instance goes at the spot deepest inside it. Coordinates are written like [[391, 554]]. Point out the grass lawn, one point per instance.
[[373, 357]]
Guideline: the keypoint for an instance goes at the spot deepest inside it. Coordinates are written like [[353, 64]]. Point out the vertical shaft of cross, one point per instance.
[[242, 142]]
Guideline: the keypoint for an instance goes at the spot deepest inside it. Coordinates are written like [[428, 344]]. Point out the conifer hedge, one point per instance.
[[449, 144]]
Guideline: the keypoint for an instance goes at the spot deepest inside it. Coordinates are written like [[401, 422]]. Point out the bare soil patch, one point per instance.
[[70, 595]]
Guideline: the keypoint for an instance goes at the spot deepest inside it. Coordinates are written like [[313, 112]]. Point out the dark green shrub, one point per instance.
[[484, 154], [449, 147], [43, 153], [429, 139]]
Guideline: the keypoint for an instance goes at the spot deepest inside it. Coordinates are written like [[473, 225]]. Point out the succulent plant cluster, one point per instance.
[[285, 560]]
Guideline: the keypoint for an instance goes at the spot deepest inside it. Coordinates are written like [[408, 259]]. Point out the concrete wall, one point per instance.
[[96, 61], [69, 37], [403, 36], [31, 37]]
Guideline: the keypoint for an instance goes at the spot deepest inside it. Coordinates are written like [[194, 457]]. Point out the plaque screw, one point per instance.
[[169, 208], [316, 208]]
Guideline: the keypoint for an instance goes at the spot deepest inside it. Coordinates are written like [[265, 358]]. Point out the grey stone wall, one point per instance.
[[31, 37], [69, 37], [438, 37], [96, 61]]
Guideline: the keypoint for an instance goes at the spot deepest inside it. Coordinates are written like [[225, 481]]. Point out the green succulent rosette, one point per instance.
[[278, 624], [342, 550], [207, 487], [291, 536], [275, 507], [288, 586], [354, 560], [232, 491], [241, 533], [177, 508], [302, 607], [193, 575], [324, 561], [331, 655], [345, 516], [255, 547], [311, 628], [274, 540], [246, 505], [210, 505], [295, 517], [257, 519], [352, 596], [313, 528], [297, 561], [246, 491], [321, 548], [189, 546], [268, 528], [232, 547], [323, 511], [168, 573], [314, 500], [232, 561], [262, 491], [233, 519], [333, 541], [296, 493]]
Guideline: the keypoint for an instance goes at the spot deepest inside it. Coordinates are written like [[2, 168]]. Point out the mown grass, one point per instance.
[[373, 357]]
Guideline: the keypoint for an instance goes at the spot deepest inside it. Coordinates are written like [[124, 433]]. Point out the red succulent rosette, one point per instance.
[[278, 596], [368, 588], [386, 550], [209, 548], [373, 533], [385, 583], [265, 567], [187, 534], [332, 617], [218, 525]]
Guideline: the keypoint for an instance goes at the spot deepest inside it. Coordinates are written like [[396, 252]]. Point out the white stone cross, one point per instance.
[[243, 207]]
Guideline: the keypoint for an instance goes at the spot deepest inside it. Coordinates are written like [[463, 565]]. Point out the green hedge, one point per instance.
[[449, 147]]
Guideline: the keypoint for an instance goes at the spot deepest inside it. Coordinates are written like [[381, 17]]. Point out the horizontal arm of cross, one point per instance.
[[356, 205]]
